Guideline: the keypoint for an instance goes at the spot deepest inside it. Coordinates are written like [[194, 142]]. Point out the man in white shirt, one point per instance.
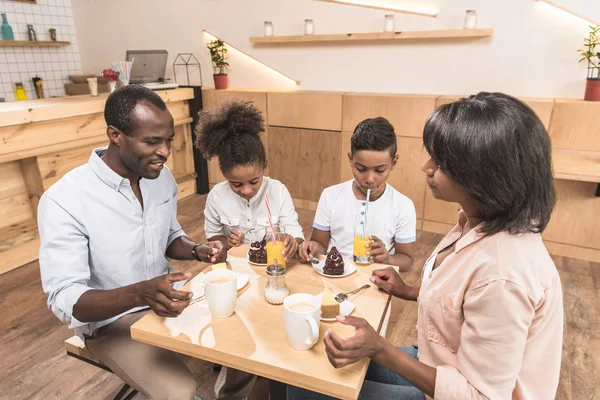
[[107, 230]]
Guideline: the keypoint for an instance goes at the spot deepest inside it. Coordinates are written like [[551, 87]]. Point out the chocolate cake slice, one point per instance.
[[257, 253], [334, 264]]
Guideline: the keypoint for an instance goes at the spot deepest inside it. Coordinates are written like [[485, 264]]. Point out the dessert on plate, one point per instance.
[[334, 263], [330, 308], [257, 253]]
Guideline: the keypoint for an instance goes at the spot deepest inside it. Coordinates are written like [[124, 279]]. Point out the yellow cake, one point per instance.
[[329, 307], [219, 266]]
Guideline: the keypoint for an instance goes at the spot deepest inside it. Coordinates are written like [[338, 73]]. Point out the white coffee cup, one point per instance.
[[302, 315], [220, 288]]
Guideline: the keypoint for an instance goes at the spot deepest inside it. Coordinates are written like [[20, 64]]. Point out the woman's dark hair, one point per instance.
[[376, 134], [497, 148], [230, 132]]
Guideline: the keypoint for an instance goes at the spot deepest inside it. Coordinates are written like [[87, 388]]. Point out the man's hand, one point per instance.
[[160, 296], [212, 252]]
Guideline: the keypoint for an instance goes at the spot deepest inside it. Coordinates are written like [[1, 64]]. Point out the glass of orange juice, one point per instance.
[[361, 239], [275, 245]]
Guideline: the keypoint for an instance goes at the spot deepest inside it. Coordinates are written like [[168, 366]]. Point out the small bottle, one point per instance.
[[20, 93], [52, 34], [389, 24], [269, 28], [31, 33], [470, 19], [7, 32], [309, 27], [276, 290]]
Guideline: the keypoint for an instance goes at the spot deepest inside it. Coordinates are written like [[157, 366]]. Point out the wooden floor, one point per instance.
[[34, 365]]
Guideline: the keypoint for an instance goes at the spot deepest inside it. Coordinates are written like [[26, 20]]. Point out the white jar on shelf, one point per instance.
[[470, 19], [309, 27], [389, 24], [269, 28]]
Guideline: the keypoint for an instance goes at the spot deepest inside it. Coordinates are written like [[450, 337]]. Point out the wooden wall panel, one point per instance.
[[542, 107], [407, 113], [572, 127], [212, 98], [179, 110], [345, 169], [182, 157], [575, 218], [306, 161], [21, 137], [407, 177], [54, 166], [309, 110], [11, 180], [14, 209], [33, 182]]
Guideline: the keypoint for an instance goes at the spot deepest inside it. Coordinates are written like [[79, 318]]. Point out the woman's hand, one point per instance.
[[235, 239], [390, 281], [377, 250], [366, 343]]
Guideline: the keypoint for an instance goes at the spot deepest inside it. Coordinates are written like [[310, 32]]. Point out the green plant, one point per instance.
[[218, 56], [589, 53]]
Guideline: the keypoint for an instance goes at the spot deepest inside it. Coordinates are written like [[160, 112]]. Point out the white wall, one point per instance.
[[52, 64], [532, 52]]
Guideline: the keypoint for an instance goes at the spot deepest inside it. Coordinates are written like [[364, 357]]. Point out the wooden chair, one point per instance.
[[75, 347]]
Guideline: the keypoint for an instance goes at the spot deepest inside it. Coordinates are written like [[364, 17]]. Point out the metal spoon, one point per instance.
[[340, 298]]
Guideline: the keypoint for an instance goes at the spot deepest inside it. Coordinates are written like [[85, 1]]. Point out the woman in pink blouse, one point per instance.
[[490, 314]]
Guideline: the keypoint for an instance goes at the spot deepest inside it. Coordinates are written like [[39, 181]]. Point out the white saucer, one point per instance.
[[346, 308], [196, 289], [349, 268]]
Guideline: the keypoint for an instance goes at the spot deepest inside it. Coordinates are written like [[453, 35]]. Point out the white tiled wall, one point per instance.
[[52, 64]]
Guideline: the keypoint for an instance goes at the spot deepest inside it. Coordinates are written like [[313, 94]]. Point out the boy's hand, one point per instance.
[[378, 252], [308, 250], [235, 239], [291, 247]]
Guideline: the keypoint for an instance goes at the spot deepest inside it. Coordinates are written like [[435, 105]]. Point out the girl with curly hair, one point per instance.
[[235, 210]]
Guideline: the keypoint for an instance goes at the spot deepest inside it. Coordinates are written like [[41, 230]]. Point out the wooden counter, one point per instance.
[[308, 137], [41, 140]]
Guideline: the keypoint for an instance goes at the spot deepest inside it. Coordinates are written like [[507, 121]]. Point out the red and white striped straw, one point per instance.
[[269, 215]]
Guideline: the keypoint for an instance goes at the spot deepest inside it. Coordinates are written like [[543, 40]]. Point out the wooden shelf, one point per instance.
[[576, 165], [28, 43], [390, 36]]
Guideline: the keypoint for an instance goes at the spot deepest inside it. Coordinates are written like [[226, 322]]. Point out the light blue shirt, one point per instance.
[[95, 235]]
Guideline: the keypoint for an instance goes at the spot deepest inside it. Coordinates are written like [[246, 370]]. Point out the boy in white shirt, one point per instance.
[[391, 216], [236, 211]]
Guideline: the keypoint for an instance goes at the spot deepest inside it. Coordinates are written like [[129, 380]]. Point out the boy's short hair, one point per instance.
[[374, 134]]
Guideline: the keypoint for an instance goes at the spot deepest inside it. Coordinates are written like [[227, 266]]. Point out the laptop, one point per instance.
[[149, 68]]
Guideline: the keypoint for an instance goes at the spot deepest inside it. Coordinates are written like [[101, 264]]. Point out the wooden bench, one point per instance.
[[75, 347]]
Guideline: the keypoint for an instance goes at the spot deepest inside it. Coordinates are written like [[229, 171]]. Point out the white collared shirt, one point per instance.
[[226, 210], [95, 235], [392, 217]]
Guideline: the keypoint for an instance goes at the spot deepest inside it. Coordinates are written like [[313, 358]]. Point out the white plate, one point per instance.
[[242, 280], [253, 263], [349, 268], [346, 307]]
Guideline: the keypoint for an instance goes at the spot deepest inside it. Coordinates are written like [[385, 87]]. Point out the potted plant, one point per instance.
[[592, 55], [218, 56]]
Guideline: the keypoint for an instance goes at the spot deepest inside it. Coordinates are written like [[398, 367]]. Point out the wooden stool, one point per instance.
[[75, 347]]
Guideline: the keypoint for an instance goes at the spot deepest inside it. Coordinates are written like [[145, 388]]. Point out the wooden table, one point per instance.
[[254, 339]]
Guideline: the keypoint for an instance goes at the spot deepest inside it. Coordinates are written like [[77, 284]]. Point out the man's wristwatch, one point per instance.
[[196, 257]]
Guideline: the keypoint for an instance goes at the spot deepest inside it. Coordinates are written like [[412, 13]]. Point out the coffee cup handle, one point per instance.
[[314, 328], [203, 286]]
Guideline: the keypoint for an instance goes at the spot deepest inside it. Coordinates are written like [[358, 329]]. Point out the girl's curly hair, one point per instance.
[[231, 132]]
